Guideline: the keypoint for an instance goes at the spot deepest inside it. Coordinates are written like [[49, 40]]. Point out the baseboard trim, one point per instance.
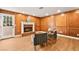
[[70, 37]]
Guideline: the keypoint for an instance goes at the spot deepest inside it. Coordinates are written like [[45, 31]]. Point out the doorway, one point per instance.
[[7, 26]]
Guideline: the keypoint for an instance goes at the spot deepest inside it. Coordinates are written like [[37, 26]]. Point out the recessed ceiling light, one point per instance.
[[46, 14], [62, 14], [52, 16], [33, 14], [23, 12]]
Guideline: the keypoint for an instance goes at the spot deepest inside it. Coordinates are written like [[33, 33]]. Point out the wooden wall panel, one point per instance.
[[44, 24], [44, 21], [18, 19], [73, 19], [60, 20], [68, 24], [44, 28], [68, 30], [74, 31], [61, 30], [37, 28], [47, 22], [61, 24], [37, 22]]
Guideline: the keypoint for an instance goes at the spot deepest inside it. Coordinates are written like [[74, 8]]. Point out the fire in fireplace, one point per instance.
[[28, 28]]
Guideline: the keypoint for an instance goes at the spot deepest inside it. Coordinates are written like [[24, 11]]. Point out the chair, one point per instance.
[[39, 39]]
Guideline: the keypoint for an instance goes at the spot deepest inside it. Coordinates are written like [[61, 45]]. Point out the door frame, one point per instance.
[[13, 16]]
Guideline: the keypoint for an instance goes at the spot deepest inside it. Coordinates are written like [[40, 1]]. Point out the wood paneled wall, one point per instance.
[[22, 17], [18, 19], [61, 24], [68, 24], [47, 22], [37, 22], [44, 24], [73, 20]]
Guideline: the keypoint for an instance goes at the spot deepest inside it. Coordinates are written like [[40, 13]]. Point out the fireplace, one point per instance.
[[27, 27]]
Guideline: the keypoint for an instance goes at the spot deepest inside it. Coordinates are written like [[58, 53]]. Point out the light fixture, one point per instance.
[[23, 12], [46, 14], [52, 16], [33, 14], [62, 14], [58, 11]]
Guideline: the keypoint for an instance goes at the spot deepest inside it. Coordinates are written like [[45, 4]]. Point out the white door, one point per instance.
[[8, 26], [1, 26]]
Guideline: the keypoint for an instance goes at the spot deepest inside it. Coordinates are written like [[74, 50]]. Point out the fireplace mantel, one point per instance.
[[26, 24]]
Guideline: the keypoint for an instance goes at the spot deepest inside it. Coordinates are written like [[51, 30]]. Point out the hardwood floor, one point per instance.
[[25, 44], [62, 44], [17, 44]]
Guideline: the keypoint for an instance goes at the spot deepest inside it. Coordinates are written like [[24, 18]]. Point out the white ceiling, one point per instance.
[[35, 11]]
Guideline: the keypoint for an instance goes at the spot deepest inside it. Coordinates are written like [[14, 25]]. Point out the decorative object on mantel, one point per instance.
[[28, 19]]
